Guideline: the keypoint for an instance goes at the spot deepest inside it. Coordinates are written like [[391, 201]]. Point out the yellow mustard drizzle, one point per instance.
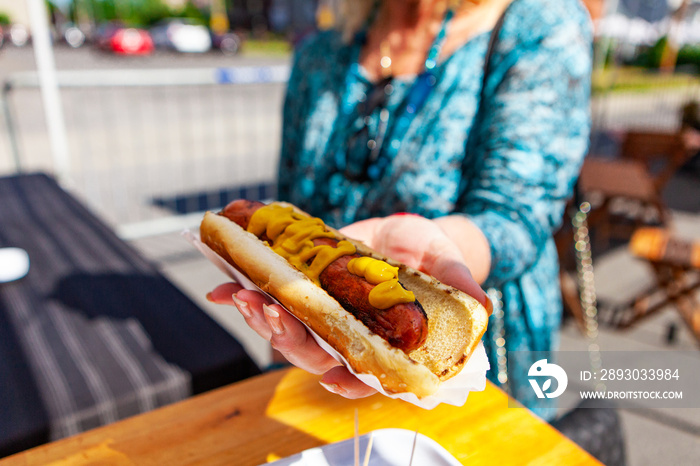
[[388, 291], [292, 236], [374, 271]]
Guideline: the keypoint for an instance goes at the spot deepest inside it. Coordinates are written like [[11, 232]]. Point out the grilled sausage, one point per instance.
[[403, 326]]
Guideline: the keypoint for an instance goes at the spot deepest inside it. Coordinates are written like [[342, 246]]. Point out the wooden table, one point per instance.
[[284, 412], [94, 332]]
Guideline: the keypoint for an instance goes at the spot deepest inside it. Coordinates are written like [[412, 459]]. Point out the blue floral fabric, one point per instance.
[[506, 156]]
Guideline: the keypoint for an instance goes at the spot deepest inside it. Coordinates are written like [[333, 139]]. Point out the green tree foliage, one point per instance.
[[137, 13], [688, 55]]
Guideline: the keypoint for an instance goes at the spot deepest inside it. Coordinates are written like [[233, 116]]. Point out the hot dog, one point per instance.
[[406, 328], [403, 325]]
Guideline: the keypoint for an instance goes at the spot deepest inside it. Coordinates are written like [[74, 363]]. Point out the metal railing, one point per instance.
[[655, 106], [149, 149]]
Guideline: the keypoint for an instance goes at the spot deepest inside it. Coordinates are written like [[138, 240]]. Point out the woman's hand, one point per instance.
[[428, 246], [290, 337]]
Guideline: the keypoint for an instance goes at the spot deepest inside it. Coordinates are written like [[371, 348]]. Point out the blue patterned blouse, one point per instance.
[[507, 161]]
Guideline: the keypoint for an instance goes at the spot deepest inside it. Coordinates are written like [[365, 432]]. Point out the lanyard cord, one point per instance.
[[435, 48], [430, 63], [417, 95], [380, 155]]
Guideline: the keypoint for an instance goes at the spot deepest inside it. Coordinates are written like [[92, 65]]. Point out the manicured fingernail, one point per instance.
[[273, 318], [333, 388], [488, 305], [242, 306], [210, 298]]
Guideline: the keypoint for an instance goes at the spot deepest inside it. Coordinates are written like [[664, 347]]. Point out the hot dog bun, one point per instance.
[[456, 321]]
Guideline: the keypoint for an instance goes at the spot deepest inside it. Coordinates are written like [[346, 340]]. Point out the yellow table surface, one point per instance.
[[284, 412]]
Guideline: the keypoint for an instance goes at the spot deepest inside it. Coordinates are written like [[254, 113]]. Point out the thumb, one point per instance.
[[363, 231], [455, 274]]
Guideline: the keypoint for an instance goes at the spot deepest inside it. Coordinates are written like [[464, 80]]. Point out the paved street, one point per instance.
[[22, 59], [131, 144]]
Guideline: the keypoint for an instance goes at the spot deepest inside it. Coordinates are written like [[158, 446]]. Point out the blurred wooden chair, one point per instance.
[[623, 197], [662, 153], [626, 193], [676, 266]]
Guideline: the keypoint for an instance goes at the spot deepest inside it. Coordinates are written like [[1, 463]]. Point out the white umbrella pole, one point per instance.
[[46, 67]]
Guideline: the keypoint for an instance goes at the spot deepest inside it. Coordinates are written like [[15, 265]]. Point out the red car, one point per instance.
[[125, 40]]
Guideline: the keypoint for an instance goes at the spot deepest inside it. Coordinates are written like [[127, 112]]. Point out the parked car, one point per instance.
[[72, 35], [181, 35], [124, 40], [14, 34], [228, 43]]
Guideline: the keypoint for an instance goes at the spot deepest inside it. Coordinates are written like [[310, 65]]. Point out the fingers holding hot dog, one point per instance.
[[341, 381], [249, 304], [288, 336], [425, 245], [294, 342], [273, 323], [386, 318]]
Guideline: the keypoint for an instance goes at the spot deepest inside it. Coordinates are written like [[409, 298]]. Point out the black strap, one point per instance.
[[487, 63], [489, 51]]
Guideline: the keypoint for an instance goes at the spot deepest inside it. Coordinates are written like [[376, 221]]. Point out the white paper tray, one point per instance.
[[454, 391], [390, 447]]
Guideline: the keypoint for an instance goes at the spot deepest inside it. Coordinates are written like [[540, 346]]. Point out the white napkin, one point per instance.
[[14, 264], [454, 391]]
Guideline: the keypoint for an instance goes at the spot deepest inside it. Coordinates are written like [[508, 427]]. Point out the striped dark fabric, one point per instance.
[[103, 334]]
